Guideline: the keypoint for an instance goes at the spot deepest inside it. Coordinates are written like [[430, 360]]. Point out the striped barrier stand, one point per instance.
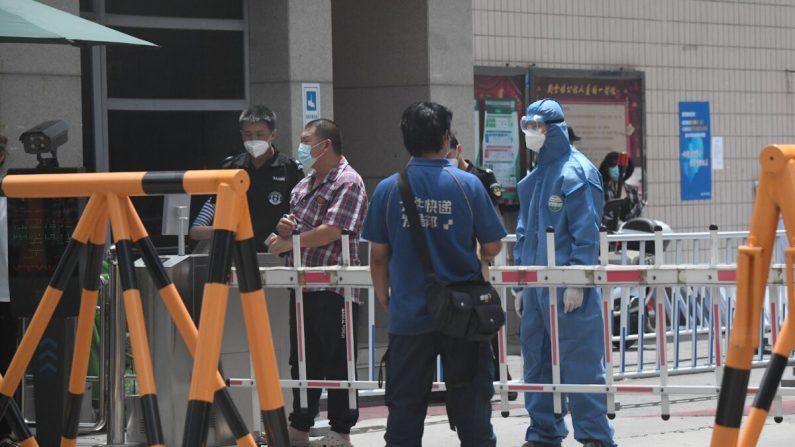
[[85, 329], [776, 185], [109, 199], [19, 428]]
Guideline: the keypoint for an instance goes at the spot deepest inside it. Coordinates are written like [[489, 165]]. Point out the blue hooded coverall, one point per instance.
[[563, 191]]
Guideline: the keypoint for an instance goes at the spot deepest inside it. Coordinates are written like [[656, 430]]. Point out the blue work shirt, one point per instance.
[[455, 211]]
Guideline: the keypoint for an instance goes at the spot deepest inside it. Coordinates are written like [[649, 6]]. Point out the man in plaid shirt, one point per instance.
[[329, 201]]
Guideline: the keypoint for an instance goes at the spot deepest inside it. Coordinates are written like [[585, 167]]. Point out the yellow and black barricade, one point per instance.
[[773, 199], [109, 198]]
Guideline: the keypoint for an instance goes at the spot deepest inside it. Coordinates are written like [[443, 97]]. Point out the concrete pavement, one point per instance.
[[637, 423]]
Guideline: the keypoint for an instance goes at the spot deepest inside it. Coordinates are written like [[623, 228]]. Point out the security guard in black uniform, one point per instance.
[[486, 176], [489, 181], [273, 176]]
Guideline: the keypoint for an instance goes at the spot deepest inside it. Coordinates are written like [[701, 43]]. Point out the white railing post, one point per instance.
[[553, 326], [662, 346], [502, 337], [607, 318], [348, 313], [714, 251], [299, 322]]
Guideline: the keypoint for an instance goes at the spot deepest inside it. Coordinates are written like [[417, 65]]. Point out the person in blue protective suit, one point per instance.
[[564, 192]]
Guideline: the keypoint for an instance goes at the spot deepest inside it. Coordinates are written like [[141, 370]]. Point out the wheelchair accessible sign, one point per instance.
[[311, 95]]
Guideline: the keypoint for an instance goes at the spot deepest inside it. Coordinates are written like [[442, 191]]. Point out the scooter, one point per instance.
[[635, 295]]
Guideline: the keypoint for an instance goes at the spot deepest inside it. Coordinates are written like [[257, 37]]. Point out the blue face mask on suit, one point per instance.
[[614, 172]]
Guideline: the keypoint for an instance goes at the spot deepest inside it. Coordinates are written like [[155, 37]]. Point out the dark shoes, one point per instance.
[[592, 443]]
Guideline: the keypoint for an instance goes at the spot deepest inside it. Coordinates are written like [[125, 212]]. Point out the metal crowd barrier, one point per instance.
[[683, 302]]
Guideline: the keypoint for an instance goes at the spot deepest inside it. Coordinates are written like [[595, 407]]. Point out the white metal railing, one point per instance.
[[680, 302]]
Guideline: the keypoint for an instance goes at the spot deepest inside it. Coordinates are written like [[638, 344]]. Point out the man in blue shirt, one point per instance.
[[456, 212], [563, 192]]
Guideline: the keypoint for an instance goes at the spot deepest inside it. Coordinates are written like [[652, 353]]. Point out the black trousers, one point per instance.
[[326, 359], [468, 376]]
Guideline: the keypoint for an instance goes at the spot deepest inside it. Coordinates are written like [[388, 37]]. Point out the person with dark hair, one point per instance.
[[573, 136], [273, 175], [622, 201], [425, 126], [456, 214], [485, 175], [330, 201]]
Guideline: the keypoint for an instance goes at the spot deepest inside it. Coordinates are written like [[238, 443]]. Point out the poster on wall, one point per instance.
[[499, 102], [500, 145], [605, 109], [694, 151]]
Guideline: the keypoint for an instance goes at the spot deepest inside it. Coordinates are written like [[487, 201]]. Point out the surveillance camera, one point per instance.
[[46, 137]]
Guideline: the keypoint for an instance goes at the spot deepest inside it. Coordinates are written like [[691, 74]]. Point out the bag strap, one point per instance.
[[417, 235]]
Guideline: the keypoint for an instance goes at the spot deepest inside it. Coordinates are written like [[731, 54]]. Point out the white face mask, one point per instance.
[[256, 147], [534, 140]]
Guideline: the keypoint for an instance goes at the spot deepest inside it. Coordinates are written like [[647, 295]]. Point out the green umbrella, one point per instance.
[[27, 21]]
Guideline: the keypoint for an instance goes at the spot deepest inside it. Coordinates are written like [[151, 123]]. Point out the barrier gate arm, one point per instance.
[[776, 186]]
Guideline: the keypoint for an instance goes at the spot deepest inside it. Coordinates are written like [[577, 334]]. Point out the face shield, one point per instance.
[[534, 131], [532, 124]]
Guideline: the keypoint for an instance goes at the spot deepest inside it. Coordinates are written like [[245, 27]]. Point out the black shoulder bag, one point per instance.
[[463, 309]]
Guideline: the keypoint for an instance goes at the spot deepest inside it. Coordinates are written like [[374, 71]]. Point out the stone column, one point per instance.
[[389, 56], [290, 44]]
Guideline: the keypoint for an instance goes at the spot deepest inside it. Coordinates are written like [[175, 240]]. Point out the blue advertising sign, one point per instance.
[[694, 151]]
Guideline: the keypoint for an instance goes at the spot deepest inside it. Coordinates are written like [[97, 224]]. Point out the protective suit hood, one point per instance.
[[556, 144]]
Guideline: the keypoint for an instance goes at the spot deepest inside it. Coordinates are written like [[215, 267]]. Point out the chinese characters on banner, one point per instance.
[[581, 89], [694, 151], [606, 111]]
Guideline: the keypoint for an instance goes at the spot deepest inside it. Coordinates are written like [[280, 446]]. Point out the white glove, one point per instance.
[[517, 300], [572, 298]]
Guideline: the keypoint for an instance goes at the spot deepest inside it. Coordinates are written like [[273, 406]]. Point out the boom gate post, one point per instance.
[[773, 197]]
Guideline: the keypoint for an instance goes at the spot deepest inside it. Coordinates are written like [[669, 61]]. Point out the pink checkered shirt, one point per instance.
[[339, 200]]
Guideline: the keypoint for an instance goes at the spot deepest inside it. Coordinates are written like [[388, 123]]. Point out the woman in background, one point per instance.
[[615, 189]]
